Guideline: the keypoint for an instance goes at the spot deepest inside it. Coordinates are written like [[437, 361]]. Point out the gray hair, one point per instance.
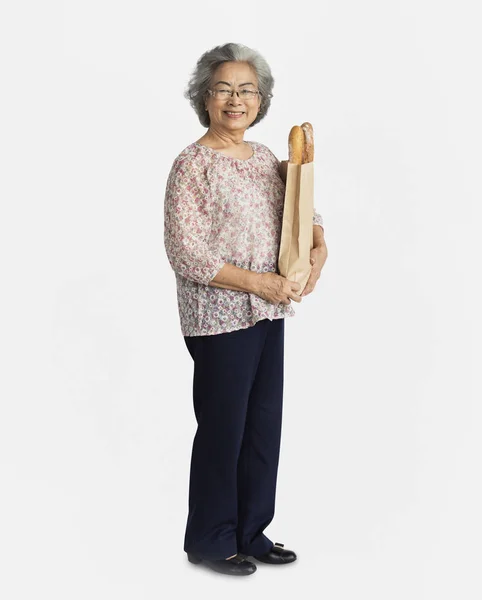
[[201, 78]]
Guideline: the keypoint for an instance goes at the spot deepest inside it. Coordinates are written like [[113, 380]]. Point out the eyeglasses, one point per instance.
[[223, 94]]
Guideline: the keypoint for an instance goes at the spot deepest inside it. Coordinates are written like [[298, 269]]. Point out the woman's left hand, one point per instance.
[[318, 257]]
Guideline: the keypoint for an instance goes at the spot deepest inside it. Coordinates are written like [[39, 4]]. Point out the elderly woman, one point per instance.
[[223, 215]]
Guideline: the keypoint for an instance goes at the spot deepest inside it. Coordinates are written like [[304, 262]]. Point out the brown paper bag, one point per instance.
[[297, 229]]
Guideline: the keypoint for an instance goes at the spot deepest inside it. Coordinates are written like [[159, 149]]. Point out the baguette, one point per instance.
[[295, 145], [309, 143]]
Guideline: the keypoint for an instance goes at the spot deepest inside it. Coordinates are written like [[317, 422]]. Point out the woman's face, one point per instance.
[[233, 76]]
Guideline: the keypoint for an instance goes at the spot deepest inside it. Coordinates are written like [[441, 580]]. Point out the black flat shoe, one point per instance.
[[277, 555], [237, 565]]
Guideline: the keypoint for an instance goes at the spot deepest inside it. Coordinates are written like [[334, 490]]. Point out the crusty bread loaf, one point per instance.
[[309, 143], [295, 145]]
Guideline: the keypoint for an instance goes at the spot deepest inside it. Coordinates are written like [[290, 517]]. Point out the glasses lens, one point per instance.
[[221, 94]]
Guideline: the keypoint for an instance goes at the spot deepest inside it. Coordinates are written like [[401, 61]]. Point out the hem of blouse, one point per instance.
[[246, 326]]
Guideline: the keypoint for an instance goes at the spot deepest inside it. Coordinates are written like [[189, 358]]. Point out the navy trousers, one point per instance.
[[238, 398]]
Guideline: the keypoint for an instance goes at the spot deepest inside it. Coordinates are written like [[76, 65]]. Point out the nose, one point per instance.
[[235, 99]]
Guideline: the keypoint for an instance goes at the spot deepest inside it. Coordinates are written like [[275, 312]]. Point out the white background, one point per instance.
[[379, 486]]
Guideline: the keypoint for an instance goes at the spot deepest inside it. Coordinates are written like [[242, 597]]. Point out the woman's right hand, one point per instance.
[[276, 289]]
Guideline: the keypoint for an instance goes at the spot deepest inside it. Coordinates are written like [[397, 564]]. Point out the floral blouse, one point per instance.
[[218, 210]]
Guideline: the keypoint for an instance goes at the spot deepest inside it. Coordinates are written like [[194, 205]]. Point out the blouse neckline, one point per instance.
[[225, 155]]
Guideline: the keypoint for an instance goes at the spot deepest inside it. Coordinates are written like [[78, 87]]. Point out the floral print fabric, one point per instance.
[[218, 210]]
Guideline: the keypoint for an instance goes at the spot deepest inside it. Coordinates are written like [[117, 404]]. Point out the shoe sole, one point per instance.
[[267, 562], [195, 560]]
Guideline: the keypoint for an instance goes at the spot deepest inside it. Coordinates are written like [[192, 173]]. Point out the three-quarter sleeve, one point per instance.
[[187, 223]]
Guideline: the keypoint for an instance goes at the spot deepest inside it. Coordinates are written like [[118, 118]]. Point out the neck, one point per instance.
[[224, 139]]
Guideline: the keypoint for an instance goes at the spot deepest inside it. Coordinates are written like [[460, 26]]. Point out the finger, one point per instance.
[[295, 297], [295, 286], [309, 283], [308, 287]]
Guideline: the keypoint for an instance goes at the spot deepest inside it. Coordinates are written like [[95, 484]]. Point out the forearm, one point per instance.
[[318, 236], [235, 278]]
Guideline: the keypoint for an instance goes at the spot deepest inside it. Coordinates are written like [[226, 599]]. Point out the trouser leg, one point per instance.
[[259, 457], [224, 369]]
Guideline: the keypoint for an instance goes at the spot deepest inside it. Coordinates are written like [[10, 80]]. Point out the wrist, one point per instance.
[[318, 236], [252, 282]]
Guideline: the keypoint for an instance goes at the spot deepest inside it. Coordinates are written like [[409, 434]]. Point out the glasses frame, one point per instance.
[[213, 94]]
